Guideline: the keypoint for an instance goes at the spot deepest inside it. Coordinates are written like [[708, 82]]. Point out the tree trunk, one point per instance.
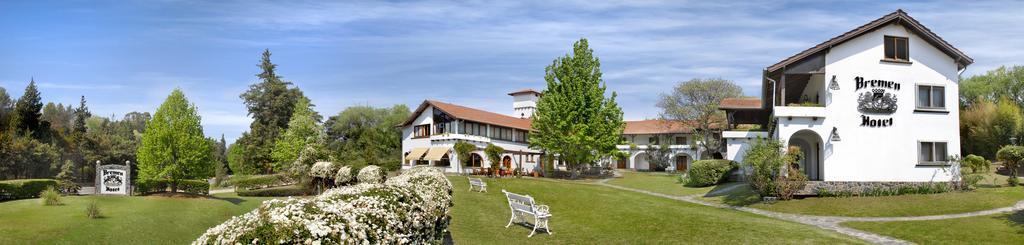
[[174, 186]]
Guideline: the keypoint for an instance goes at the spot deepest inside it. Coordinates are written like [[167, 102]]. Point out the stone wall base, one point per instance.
[[856, 188]]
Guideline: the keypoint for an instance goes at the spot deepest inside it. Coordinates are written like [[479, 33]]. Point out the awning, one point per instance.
[[416, 154], [436, 153]]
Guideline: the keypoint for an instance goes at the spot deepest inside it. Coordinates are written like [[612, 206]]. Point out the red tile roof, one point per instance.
[[740, 103], [472, 114], [657, 127]]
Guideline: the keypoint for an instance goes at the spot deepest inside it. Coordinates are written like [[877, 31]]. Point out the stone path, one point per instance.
[[824, 222]]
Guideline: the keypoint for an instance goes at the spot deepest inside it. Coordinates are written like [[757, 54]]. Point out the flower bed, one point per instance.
[[412, 208], [371, 174]]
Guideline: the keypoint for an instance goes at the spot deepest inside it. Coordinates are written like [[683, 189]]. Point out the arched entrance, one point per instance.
[[506, 162], [640, 162], [810, 144], [475, 160], [682, 162]]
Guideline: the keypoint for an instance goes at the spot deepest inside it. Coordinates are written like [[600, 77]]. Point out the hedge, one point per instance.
[[24, 188], [412, 208], [257, 181], [199, 187], [709, 172], [280, 191]]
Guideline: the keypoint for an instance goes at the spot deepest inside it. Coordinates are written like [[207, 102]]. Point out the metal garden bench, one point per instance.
[[523, 205], [480, 185]]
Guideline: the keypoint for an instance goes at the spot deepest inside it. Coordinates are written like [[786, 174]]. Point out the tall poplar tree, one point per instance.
[[173, 146], [574, 119]]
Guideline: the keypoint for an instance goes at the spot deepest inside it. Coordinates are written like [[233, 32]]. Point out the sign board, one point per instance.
[[113, 180]]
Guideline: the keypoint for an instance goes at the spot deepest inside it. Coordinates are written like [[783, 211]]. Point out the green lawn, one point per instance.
[[906, 205], [657, 182], [1007, 228], [592, 214], [126, 220]]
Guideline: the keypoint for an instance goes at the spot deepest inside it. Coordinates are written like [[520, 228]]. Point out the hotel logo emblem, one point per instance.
[[879, 100]]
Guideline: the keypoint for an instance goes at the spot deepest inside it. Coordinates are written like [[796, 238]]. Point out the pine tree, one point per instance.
[[28, 110], [81, 115], [173, 146], [270, 103], [574, 119]]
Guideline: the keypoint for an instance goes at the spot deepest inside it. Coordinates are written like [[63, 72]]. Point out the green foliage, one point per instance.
[[66, 179], [493, 154], [367, 135], [574, 119], [709, 172], [28, 111], [985, 126], [236, 160], [144, 186], [270, 103], [1002, 82], [257, 181], [22, 156], [50, 196], [219, 155], [697, 101], [767, 163], [1012, 158], [93, 211], [924, 188], [463, 150], [280, 191], [658, 156], [975, 164], [199, 187], [173, 146], [24, 188], [303, 130]]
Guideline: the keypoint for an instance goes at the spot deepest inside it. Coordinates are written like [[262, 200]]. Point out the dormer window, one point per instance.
[[897, 49]]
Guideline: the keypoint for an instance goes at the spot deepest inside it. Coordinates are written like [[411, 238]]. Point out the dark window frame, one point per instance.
[[932, 99], [417, 131]]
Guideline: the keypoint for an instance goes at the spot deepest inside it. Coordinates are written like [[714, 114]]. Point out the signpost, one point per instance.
[[113, 179]]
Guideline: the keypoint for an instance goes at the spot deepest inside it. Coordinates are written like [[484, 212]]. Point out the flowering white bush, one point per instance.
[[322, 170], [411, 208], [344, 175], [370, 174]]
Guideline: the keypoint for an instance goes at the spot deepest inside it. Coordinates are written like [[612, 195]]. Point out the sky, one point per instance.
[[128, 56]]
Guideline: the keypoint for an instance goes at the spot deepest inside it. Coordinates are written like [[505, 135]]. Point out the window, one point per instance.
[[681, 140], [932, 153], [931, 97], [443, 123], [473, 128], [476, 160], [897, 48], [653, 140], [501, 133], [421, 131], [521, 135], [530, 158]]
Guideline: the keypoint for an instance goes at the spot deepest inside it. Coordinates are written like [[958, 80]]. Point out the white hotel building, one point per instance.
[[875, 104], [429, 135]]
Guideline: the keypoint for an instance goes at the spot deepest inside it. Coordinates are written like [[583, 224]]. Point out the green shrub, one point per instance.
[[709, 172], [1012, 158], [50, 196], [93, 211], [24, 188], [143, 187], [280, 191], [974, 164], [257, 181], [767, 162], [198, 187]]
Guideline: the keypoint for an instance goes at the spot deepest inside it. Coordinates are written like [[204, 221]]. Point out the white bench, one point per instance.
[[522, 205], [480, 185]]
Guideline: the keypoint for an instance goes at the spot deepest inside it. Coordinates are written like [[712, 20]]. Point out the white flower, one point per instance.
[[344, 175], [370, 174], [322, 170]]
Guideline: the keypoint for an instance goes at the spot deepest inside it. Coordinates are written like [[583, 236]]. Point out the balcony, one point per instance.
[[457, 137], [813, 112]]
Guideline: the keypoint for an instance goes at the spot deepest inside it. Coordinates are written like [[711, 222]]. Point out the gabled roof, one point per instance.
[[898, 17], [657, 127], [740, 103], [471, 114], [525, 91]]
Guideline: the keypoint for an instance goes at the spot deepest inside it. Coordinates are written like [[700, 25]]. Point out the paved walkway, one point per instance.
[[824, 222]]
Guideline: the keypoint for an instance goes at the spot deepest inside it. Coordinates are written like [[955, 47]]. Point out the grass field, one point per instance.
[[1007, 228], [906, 205], [657, 182], [592, 214], [126, 220]]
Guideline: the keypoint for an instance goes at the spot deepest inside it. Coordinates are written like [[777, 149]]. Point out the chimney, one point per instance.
[[524, 102]]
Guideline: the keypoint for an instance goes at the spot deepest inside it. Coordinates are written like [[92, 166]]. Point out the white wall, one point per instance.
[[448, 140], [883, 153]]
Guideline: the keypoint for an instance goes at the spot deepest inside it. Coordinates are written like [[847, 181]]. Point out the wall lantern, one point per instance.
[[835, 134], [834, 85]]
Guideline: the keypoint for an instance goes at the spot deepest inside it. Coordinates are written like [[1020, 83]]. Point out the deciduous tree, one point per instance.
[[173, 145], [574, 119], [303, 130], [696, 101]]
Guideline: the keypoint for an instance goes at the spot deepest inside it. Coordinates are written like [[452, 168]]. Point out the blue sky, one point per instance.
[[128, 55]]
